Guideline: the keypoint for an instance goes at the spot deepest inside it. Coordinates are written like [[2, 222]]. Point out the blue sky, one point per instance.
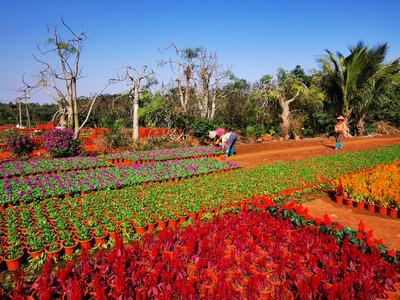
[[253, 37]]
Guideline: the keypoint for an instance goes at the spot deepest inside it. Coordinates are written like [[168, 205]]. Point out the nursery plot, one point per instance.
[[34, 187], [165, 154], [34, 166], [136, 209], [247, 255], [380, 186], [232, 188]]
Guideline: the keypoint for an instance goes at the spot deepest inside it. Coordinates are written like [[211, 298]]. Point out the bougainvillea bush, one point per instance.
[[33, 166], [61, 143], [248, 255]]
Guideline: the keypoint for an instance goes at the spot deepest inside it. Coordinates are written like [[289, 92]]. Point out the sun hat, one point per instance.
[[340, 118], [220, 131]]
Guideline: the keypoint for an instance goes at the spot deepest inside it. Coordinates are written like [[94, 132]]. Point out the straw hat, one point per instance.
[[341, 118]]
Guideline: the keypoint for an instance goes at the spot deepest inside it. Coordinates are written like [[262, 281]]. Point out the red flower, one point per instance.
[[327, 220], [359, 236], [361, 226], [369, 242], [392, 253], [299, 209]]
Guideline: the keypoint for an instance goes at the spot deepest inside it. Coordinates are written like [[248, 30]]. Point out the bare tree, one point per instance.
[[210, 77], [138, 80], [203, 78], [61, 73], [26, 91], [184, 65], [177, 66]]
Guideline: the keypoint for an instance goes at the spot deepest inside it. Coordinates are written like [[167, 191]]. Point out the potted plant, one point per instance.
[[69, 246], [53, 251], [140, 223], [35, 246], [339, 193], [371, 204], [359, 201], [99, 235], [393, 208], [296, 133], [84, 237], [13, 257]]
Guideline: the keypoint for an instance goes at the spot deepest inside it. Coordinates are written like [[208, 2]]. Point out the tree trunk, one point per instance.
[[212, 111], [28, 119], [20, 113], [63, 122], [179, 80], [285, 124], [361, 125], [187, 88], [75, 109], [135, 117], [70, 115]]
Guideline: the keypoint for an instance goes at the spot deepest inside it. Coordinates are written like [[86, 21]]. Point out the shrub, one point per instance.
[[255, 131], [19, 145], [201, 128], [61, 143]]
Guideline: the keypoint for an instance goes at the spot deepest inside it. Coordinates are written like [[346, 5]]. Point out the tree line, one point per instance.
[[361, 85]]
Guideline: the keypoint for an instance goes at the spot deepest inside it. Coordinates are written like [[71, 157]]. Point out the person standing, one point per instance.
[[339, 130]]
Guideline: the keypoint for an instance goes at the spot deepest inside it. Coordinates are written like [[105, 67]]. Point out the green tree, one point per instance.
[[286, 89], [351, 82]]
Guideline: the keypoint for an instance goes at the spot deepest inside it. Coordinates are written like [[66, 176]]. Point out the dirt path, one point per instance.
[[384, 228], [263, 154]]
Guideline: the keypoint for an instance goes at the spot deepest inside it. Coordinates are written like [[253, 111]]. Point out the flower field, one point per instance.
[[165, 154], [241, 244], [34, 166], [250, 255], [35, 187]]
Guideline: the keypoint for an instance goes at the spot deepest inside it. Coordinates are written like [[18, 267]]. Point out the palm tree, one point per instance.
[[352, 83]]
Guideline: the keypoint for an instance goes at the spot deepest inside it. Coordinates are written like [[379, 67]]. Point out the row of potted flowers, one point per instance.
[[375, 190], [164, 154], [264, 253], [39, 186], [34, 166]]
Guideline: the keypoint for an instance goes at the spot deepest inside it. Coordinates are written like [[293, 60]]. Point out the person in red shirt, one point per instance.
[[339, 130]]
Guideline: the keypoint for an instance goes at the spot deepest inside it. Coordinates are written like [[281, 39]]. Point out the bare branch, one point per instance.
[[92, 103]]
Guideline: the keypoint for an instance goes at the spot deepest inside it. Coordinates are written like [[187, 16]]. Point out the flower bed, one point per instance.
[[233, 188], [249, 255], [34, 166], [39, 186], [380, 186], [141, 206], [165, 154]]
